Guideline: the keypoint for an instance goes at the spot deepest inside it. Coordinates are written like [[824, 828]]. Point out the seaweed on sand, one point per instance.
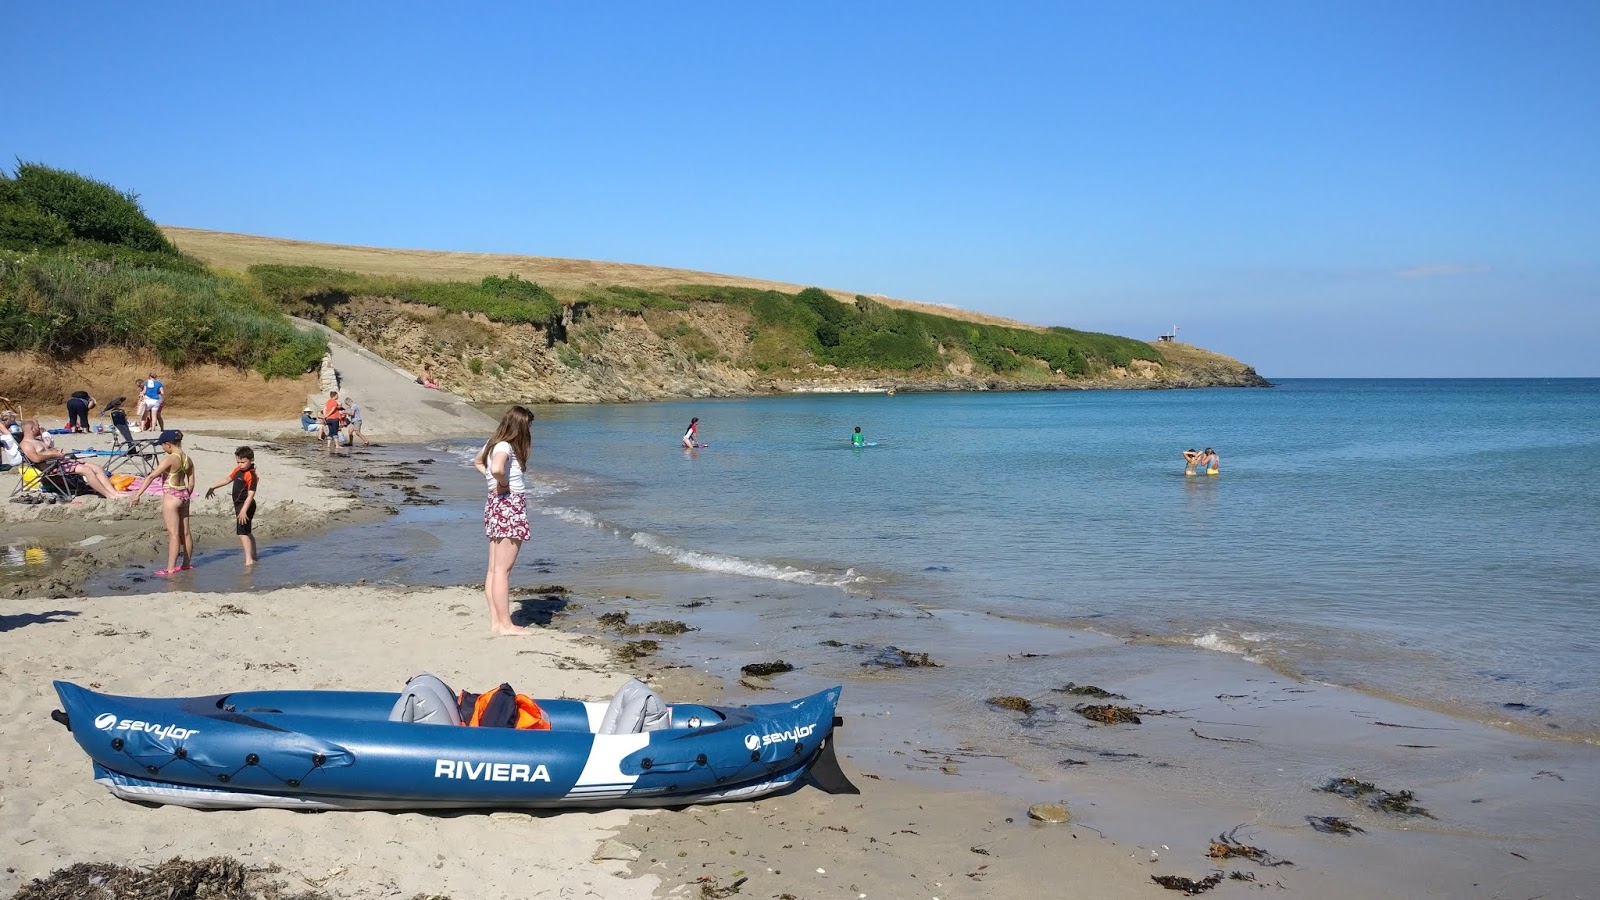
[[1107, 714], [1228, 846], [762, 670], [213, 878], [1334, 825], [1397, 802], [894, 658], [1188, 886], [1016, 704], [1087, 690], [633, 651]]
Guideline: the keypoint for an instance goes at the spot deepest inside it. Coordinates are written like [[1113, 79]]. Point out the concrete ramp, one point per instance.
[[392, 404]]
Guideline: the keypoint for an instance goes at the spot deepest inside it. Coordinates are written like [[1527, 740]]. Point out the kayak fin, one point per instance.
[[826, 774]]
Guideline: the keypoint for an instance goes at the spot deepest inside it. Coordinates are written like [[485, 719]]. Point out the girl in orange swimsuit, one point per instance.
[[179, 472]]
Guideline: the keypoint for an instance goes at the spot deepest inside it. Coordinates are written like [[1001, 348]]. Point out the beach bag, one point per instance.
[[31, 479]]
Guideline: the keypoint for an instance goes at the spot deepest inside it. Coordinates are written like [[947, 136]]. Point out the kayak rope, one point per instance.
[[251, 760]]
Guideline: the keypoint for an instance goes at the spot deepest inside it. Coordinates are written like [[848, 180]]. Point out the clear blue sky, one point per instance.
[[1320, 189]]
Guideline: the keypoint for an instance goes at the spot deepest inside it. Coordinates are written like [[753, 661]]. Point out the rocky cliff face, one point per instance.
[[613, 355]]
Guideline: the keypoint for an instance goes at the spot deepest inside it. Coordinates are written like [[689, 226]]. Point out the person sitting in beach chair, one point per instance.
[[59, 472]]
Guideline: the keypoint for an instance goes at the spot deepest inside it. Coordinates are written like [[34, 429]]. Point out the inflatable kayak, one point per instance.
[[370, 750]]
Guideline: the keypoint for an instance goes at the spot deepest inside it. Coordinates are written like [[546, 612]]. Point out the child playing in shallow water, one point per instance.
[[245, 481], [178, 470]]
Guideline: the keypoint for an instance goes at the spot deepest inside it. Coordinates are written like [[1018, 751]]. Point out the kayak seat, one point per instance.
[[427, 700], [635, 709]]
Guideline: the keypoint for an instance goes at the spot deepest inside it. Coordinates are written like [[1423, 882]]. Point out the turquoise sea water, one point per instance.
[[1431, 539]]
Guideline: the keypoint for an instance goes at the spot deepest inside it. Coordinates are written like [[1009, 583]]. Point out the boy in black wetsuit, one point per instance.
[[245, 483]]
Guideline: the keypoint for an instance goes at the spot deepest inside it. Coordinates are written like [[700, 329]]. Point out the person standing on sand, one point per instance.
[[691, 436], [505, 513], [245, 482], [155, 396], [1191, 457], [179, 471]]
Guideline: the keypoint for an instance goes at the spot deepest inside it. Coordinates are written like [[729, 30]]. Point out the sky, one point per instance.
[[1320, 189]]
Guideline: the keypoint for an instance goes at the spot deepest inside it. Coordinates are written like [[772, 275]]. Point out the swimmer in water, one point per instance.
[[1191, 457], [1210, 462]]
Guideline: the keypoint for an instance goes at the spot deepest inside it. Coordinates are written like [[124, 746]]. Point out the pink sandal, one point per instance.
[[165, 572]]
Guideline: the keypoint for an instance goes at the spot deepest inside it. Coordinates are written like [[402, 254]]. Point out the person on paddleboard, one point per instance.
[[692, 434], [858, 439]]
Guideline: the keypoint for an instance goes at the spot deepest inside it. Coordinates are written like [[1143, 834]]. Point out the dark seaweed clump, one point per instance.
[[1334, 825], [895, 658], [762, 670], [1016, 704], [1397, 802], [1107, 714], [1188, 886], [1087, 690]]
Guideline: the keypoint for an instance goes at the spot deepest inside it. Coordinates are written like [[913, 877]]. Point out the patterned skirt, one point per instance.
[[506, 516]]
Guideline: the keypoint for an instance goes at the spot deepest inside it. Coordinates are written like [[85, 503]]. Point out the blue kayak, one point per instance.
[[371, 750]]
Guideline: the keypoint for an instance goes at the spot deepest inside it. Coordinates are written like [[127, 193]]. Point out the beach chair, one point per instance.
[[47, 482], [138, 456]]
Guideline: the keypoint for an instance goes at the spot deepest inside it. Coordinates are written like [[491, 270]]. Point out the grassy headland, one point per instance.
[[539, 328]]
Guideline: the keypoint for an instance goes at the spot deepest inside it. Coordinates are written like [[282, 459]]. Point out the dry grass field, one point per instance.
[[564, 277]]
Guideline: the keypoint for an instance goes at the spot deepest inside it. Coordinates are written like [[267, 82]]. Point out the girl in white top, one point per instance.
[[505, 512]]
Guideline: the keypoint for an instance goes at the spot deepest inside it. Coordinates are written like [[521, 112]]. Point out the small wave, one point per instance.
[[1214, 641], [714, 562]]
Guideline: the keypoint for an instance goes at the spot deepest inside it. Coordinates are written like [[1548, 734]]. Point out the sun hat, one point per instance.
[[170, 436], [307, 409]]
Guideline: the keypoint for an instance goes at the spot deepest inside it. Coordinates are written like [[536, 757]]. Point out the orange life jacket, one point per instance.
[[501, 708]]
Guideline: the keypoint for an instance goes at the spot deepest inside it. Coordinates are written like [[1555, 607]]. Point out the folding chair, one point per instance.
[[140, 455], [46, 482]]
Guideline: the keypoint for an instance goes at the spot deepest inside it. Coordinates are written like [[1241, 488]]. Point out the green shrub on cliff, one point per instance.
[[62, 305], [81, 266], [313, 291], [83, 208]]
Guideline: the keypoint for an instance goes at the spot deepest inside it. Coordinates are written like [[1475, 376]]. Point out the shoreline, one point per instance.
[[934, 787]]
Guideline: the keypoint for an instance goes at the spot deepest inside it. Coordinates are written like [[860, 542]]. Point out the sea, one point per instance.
[[1433, 540], [1430, 540]]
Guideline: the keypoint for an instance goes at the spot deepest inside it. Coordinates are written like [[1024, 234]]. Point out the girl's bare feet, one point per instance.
[[508, 630]]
